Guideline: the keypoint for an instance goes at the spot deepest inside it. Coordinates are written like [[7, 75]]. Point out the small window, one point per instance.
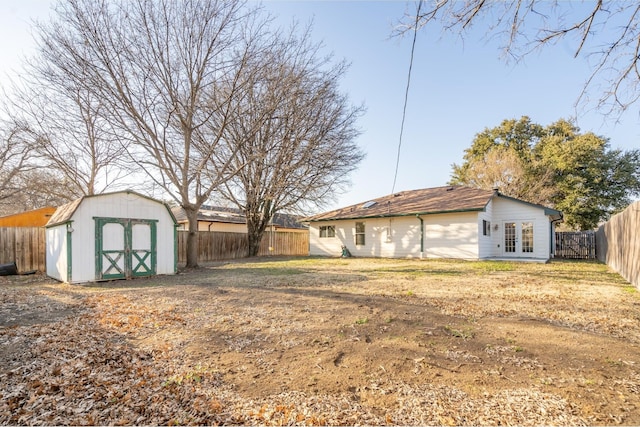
[[359, 233], [327, 231], [389, 237], [486, 228]]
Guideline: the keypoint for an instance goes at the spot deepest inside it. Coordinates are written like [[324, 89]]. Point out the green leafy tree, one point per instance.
[[590, 180], [578, 174]]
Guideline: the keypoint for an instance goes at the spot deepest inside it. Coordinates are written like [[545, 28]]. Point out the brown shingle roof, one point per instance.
[[425, 201], [236, 216]]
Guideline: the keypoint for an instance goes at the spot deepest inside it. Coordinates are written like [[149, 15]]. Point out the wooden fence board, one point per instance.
[[218, 245], [619, 243], [23, 245]]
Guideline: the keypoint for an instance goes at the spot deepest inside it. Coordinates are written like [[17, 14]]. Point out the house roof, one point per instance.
[[235, 216], [65, 212], [420, 202]]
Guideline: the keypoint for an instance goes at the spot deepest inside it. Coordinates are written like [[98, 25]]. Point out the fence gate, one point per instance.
[[125, 248], [576, 245]]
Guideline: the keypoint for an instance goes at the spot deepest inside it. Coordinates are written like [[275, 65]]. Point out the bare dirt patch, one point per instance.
[[326, 341]]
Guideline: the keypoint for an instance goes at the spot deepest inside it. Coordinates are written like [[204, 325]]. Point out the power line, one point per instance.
[[406, 94]]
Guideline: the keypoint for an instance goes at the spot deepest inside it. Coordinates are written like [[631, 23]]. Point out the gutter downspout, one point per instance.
[[552, 240], [421, 236]]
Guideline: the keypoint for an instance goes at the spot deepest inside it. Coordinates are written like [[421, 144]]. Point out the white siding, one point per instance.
[[445, 236], [487, 243], [123, 205], [324, 246], [404, 242], [453, 235], [450, 235], [56, 256], [505, 210]]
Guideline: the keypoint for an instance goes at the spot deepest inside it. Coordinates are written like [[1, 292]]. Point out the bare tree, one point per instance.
[[295, 131], [39, 187], [63, 124], [15, 159], [501, 168], [606, 32], [162, 69]]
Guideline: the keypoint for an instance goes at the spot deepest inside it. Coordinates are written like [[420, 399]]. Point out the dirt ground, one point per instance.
[[314, 341]]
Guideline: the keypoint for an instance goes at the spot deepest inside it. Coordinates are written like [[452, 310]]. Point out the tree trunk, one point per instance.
[[255, 232], [192, 237]]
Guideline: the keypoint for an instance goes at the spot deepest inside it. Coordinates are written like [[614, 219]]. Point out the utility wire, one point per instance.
[[406, 93]]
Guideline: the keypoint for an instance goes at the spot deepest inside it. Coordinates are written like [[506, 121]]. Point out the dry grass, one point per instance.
[[315, 341]]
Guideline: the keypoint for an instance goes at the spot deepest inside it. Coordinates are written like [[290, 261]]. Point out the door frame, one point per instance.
[[136, 262], [518, 238]]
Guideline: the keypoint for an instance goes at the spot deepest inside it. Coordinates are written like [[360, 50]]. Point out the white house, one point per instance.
[[443, 222], [111, 236]]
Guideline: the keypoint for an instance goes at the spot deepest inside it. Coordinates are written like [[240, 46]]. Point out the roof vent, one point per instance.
[[367, 205]]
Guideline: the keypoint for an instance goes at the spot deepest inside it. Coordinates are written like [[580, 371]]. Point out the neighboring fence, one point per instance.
[[619, 243], [217, 245], [23, 245], [576, 244]]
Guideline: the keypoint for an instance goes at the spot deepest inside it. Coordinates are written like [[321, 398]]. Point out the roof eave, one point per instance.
[[395, 215]]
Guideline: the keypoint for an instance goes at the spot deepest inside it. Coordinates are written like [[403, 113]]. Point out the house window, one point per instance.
[[388, 229], [486, 227], [359, 233], [327, 231], [527, 237]]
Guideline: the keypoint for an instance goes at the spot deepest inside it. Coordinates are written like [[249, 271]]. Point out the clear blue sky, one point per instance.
[[457, 88]]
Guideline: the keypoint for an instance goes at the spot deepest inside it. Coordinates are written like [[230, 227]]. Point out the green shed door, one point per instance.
[[125, 248], [143, 248]]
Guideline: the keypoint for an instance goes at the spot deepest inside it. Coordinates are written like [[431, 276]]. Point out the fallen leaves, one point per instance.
[[187, 354]]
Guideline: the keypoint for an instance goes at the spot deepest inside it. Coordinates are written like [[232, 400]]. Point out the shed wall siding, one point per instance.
[[56, 252], [116, 205]]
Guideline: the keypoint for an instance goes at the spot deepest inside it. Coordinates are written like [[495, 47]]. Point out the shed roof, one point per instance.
[[426, 201], [65, 212]]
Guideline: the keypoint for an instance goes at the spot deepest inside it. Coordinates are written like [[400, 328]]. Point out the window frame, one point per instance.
[[329, 231], [486, 228], [359, 235]]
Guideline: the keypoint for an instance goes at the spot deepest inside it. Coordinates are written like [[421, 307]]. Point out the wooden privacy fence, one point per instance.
[[218, 245], [25, 246], [576, 245], [619, 243]]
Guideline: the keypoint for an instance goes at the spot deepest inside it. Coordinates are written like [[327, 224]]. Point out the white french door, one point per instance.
[[518, 238]]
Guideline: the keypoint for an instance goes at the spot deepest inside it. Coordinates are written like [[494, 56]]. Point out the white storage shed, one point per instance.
[[110, 236]]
